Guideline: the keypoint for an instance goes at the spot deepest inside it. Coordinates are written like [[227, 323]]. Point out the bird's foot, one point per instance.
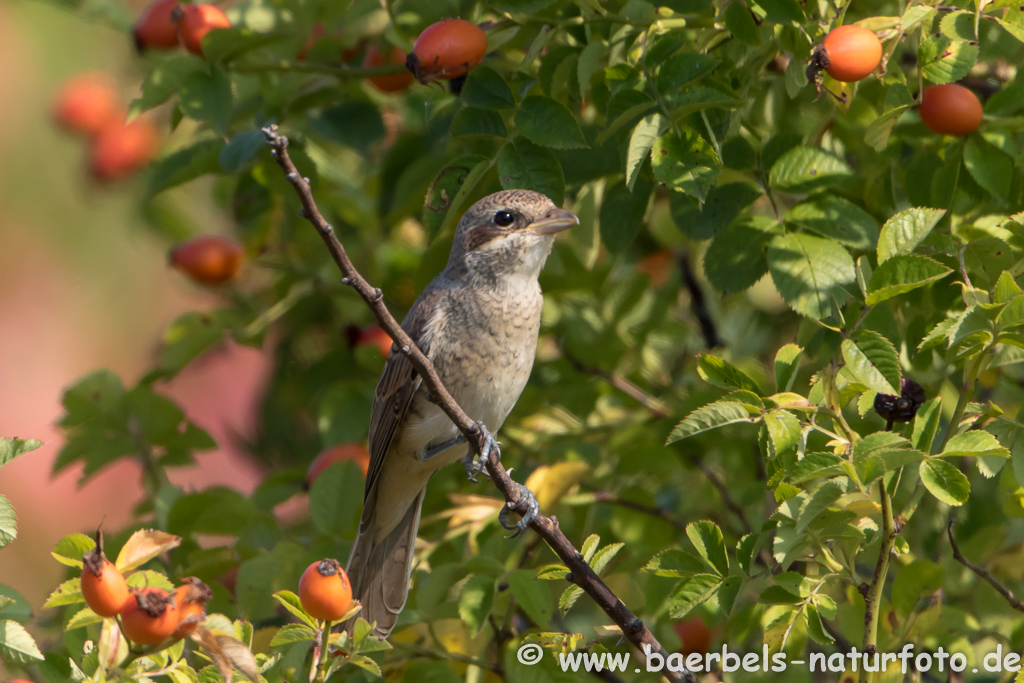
[[526, 502], [476, 466]]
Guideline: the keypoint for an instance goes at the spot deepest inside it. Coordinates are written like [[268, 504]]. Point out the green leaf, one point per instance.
[[723, 204], [83, 617], [356, 123], [591, 62], [873, 361], [8, 522], [710, 544], [917, 579], [70, 550], [832, 216], [605, 555], [903, 232], [206, 97], [686, 164], [290, 601], [975, 443], [815, 629], [945, 481], [470, 121], [805, 169], [184, 165], [738, 256], [683, 68], [901, 274], [674, 564], [1006, 289], [240, 149], [67, 593], [335, 499], [16, 645], [11, 448], [722, 373], [221, 45], [532, 595], [787, 362], [958, 25], [740, 23], [640, 144], [989, 166], [943, 60], [812, 274], [782, 11], [709, 417], [549, 123], [699, 98], [293, 633], [815, 466], [522, 164], [622, 214], [164, 81], [486, 89], [190, 335], [450, 191], [475, 602], [878, 131], [690, 593], [783, 431]]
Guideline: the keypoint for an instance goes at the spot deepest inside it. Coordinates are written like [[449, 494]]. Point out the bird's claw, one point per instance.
[[532, 510], [478, 465]]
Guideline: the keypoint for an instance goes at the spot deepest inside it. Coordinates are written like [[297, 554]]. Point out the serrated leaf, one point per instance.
[[783, 432], [812, 274], [475, 601], [206, 97], [67, 593], [486, 89], [944, 481], [8, 521], [805, 169], [989, 166], [290, 601], [878, 131], [787, 362], [12, 448], [975, 443], [903, 232], [674, 563], [873, 361], [690, 593], [83, 617], [70, 549], [738, 255], [640, 143], [943, 60], [832, 216], [901, 274], [622, 214], [293, 633], [815, 466], [685, 164], [17, 645], [222, 45], [723, 205], [522, 164], [710, 544], [722, 373], [683, 68], [184, 165], [164, 81], [740, 23], [709, 417], [240, 149], [532, 595], [549, 123], [470, 121], [958, 25]]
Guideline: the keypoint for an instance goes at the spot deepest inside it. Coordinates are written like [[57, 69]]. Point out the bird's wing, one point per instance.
[[398, 384]]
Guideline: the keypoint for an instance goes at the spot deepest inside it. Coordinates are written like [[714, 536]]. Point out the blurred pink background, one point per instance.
[[84, 285]]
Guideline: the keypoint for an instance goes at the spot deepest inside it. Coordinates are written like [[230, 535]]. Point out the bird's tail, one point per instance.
[[380, 571]]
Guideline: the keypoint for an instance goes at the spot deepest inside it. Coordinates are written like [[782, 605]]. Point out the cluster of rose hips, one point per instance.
[[148, 616], [166, 24], [851, 53], [87, 104]]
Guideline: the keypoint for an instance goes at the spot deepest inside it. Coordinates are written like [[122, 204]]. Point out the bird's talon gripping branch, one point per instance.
[[526, 500], [476, 466]]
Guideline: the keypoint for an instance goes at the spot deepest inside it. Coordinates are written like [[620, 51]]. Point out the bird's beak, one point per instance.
[[555, 220]]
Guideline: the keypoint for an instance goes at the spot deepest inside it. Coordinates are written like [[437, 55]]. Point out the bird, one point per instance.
[[478, 323]]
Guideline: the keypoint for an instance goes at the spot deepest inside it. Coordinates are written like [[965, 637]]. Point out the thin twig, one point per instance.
[[583, 574], [698, 304], [723, 491], [660, 513], [1014, 601], [653, 405]]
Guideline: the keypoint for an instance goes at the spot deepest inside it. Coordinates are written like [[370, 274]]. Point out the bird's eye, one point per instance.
[[504, 219]]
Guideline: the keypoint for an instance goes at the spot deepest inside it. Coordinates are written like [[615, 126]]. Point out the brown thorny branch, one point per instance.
[[1014, 601], [580, 573]]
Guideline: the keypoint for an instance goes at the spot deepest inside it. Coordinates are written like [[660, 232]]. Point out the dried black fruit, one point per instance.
[[904, 407]]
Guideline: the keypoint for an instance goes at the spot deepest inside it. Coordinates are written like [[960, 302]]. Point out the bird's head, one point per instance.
[[507, 233]]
